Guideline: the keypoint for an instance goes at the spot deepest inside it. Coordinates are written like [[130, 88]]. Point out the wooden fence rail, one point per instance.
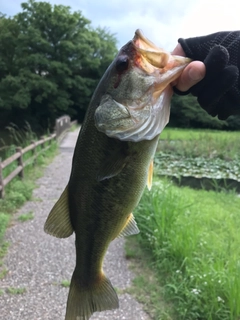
[[62, 125]]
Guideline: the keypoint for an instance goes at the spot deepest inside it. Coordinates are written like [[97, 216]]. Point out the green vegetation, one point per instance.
[[65, 283], [26, 216], [51, 61], [197, 134], [200, 154], [146, 287], [4, 220], [3, 272], [12, 290], [186, 113], [194, 239], [200, 143]]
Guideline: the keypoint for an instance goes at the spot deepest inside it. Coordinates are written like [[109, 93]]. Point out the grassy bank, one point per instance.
[[194, 239]]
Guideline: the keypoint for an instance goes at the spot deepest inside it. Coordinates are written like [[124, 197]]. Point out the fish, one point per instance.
[[112, 163]]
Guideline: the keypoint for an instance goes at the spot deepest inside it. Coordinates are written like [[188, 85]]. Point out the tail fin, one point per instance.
[[82, 302]]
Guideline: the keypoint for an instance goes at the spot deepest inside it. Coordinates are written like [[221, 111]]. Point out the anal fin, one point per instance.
[[58, 223], [129, 228]]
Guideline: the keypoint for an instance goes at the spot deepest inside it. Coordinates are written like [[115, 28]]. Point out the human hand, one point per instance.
[[191, 75], [219, 91]]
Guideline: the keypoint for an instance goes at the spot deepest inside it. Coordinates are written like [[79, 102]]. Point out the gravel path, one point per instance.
[[38, 263]]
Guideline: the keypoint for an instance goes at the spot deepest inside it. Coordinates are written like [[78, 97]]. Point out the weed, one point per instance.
[[3, 249], [4, 220], [12, 290], [146, 287], [65, 283], [3, 273], [26, 216]]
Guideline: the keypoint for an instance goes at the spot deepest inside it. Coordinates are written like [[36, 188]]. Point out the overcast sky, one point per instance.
[[162, 21]]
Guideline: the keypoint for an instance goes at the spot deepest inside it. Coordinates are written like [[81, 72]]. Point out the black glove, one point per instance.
[[219, 92]]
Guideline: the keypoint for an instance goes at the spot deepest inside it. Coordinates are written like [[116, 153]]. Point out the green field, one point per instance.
[[193, 236], [198, 134]]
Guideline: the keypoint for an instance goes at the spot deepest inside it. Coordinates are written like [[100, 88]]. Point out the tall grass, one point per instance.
[[195, 240], [21, 138]]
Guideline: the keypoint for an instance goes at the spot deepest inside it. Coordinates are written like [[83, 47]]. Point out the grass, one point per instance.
[[146, 287], [193, 237], [65, 283], [200, 143], [26, 216], [198, 134], [3, 272], [12, 290]]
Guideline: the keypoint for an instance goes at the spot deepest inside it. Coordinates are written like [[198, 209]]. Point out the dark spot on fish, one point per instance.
[[122, 63]]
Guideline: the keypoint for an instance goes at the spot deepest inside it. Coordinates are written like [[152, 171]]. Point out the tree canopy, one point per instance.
[[51, 59]]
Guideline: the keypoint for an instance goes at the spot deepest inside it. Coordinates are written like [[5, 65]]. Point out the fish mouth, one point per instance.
[[150, 55], [151, 58], [155, 61]]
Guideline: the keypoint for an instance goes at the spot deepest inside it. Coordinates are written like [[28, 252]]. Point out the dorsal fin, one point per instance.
[[58, 223]]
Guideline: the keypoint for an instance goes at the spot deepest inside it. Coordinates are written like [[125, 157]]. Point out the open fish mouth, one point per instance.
[[138, 107]]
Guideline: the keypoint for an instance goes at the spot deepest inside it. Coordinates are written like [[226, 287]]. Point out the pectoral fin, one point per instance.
[[129, 228], [114, 163], [150, 176], [58, 223]]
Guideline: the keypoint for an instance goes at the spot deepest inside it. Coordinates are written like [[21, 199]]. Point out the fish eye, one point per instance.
[[122, 63]]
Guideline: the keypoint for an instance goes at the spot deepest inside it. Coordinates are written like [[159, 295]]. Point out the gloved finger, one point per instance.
[[228, 105], [215, 62], [216, 87]]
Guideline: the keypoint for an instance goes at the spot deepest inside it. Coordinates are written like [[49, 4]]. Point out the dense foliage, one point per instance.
[[186, 113], [50, 62]]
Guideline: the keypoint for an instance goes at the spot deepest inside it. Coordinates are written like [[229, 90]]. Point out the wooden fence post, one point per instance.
[[20, 162], [34, 152], [1, 183], [43, 144]]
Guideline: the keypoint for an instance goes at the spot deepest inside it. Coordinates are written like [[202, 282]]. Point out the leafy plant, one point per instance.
[[26, 216], [12, 290], [65, 283]]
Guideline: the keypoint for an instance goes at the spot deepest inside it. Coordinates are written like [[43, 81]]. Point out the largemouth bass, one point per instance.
[[111, 166]]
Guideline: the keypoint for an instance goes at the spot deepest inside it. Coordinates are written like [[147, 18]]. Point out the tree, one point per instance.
[[56, 59], [186, 113]]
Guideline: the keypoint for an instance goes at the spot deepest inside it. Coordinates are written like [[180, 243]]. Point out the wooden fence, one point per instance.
[[62, 125]]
